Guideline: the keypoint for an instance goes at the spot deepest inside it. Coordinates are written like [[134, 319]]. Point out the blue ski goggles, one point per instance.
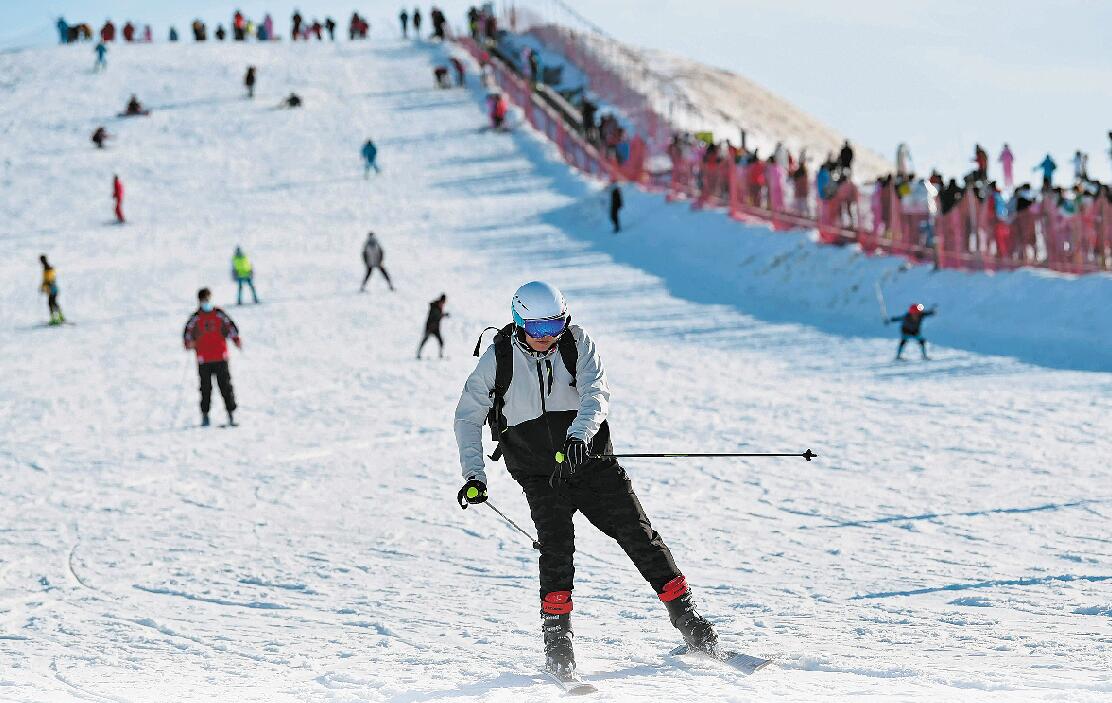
[[538, 329]]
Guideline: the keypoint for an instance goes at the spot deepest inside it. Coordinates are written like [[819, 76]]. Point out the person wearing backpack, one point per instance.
[[542, 388]]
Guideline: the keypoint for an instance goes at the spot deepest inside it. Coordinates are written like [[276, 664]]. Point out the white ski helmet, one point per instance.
[[540, 310]]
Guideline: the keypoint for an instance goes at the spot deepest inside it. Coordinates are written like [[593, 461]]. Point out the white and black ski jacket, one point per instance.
[[542, 408]]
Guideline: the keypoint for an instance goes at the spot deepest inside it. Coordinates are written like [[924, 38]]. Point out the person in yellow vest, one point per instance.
[[243, 272], [50, 287]]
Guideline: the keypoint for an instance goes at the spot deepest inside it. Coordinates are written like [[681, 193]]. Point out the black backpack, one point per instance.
[[504, 373]]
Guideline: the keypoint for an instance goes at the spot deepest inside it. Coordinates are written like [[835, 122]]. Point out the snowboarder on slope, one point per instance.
[[206, 332], [249, 81], [243, 273], [910, 324], [372, 259], [432, 324], [552, 427], [50, 288]]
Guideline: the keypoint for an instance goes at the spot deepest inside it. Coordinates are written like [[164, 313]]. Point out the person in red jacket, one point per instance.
[[118, 196], [206, 333], [108, 31]]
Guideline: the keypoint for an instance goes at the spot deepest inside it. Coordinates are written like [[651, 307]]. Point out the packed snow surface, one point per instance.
[[951, 543]]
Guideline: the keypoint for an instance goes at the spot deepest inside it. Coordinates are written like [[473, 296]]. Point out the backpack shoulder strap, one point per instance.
[[503, 375], [569, 352]]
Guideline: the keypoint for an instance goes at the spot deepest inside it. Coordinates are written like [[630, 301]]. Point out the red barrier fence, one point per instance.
[[1074, 237]]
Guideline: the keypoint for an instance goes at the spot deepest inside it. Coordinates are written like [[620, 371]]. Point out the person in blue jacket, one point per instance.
[[1048, 167], [63, 31], [101, 50], [370, 153], [822, 181], [910, 328]]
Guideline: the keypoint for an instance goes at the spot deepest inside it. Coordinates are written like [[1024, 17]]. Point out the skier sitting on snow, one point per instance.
[[909, 327], [134, 107], [550, 419]]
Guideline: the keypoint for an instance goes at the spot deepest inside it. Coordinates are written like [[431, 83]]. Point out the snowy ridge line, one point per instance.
[[1030, 581]]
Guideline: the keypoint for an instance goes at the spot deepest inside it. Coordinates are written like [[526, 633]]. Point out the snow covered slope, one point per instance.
[[951, 543]]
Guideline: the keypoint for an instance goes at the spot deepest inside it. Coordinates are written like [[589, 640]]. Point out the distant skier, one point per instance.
[[372, 259], [403, 17], [118, 197], [551, 425], [330, 27], [458, 66], [432, 324], [1006, 160], [50, 288], [498, 109], [205, 332], [101, 51], [417, 22], [243, 273], [615, 206], [249, 81], [845, 159], [369, 152], [100, 135], [295, 25], [910, 325], [440, 77], [1048, 167]]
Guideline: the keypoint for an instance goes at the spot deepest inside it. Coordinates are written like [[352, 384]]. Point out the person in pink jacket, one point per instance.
[[1006, 160]]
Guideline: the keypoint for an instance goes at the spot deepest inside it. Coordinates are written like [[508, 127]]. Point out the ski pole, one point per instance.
[[808, 455], [536, 544]]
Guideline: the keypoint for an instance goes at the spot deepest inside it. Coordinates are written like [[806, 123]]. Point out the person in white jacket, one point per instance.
[[549, 418]]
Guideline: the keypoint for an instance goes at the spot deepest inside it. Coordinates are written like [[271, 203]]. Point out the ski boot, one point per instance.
[[559, 658], [231, 419], [204, 420], [697, 631]]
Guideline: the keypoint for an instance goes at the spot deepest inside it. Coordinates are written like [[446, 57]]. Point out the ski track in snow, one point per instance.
[[950, 543]]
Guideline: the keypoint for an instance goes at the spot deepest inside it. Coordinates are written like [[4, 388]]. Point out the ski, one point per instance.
[[571, 683], [739, 661]]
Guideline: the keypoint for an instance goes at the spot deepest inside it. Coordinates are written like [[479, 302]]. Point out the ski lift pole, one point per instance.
[[536, 544], [808, 455]]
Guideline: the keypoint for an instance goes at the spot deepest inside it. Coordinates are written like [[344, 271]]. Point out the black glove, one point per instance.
[[472, 493], [575, 454]]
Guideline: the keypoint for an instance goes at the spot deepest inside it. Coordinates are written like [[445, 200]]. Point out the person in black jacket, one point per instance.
[[910, 328], [845, 159], [432, 324], [615, 206], [249, 81]]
